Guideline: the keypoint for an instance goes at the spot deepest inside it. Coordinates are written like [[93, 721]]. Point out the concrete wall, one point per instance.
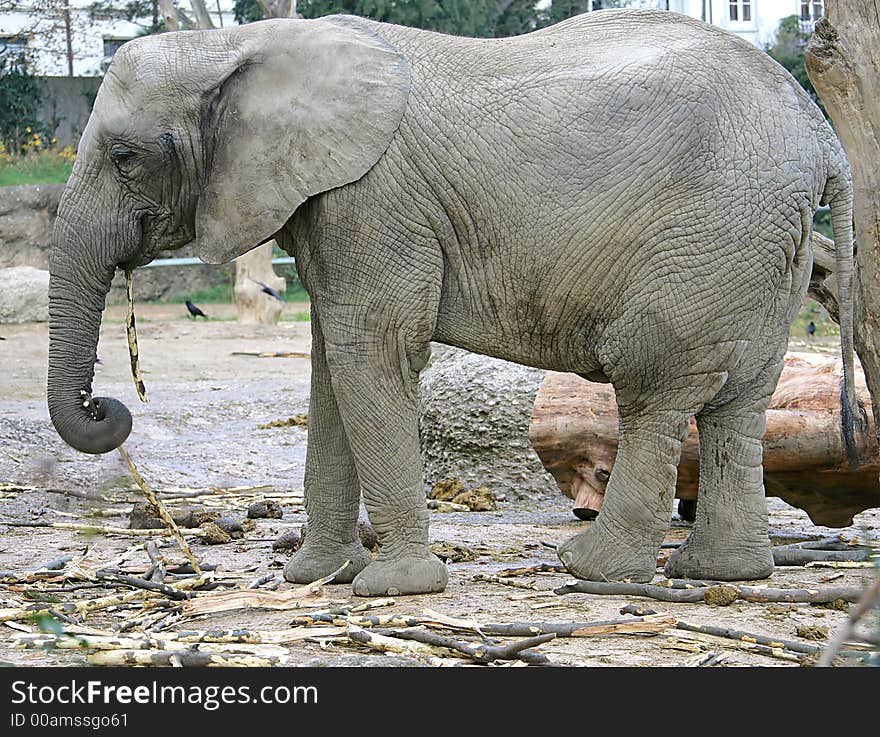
[[68, 101], [27, 216]]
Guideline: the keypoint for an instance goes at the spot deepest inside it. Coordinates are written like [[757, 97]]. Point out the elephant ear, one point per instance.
[[309, 105]]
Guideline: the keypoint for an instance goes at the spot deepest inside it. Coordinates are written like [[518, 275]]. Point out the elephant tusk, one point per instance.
[[131, 333]]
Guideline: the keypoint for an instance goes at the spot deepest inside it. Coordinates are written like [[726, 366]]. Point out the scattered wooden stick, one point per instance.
[[140, 583], [186, 658], [430, 654], [163, 513], [529, 570], [442, 506], [648, 625], [821, 595], [157, 571], [504, 581], [730, 634], [799, 557], [87, 606], [225, 601], [481, 652], [104, 529], [866, 602]]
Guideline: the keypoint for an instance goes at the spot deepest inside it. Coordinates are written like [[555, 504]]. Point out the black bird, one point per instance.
[[811, 329], [268, 290], [195, 311]]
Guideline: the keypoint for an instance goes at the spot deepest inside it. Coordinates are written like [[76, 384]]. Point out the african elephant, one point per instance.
[[627, 195]]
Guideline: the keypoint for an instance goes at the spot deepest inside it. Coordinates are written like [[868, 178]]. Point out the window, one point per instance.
[[812, 9], [12, 51], [740, 11]]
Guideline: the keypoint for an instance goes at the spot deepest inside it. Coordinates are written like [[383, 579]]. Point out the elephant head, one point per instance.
[[212, 137]]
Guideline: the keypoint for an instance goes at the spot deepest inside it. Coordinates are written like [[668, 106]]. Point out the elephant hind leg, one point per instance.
[[730, 540], [625, 537]]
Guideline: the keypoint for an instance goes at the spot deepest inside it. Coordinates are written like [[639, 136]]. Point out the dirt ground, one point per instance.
[[200, 430]]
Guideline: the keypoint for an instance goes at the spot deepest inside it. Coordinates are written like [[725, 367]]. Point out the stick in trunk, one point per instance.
[[163, 513], [131, 334]]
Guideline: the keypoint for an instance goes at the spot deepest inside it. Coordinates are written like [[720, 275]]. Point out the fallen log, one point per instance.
[[574, 431]]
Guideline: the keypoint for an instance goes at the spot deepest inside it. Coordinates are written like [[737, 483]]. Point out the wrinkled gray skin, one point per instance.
[[627, 196]]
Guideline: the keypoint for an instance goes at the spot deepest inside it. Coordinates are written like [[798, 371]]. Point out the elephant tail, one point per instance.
[[839, 195]]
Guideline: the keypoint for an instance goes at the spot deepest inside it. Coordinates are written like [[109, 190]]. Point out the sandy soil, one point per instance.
[[200, 430]]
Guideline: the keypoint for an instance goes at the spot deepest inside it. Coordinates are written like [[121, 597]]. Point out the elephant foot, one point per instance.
[[411, 574], [595, 555], [699, 559], [313, 561]]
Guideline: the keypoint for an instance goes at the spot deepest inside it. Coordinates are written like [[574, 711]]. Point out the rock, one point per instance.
[[478, 499], [474, 414], [266, 509], [24, 295], [27, 218], [446, 490]]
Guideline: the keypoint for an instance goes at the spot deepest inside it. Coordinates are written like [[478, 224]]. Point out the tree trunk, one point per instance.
[[252, 271], [574, 431], [843, 62], [169, 15]]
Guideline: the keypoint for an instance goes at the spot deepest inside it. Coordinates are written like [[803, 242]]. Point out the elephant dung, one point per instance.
[[213, 534], [452, 553], [289, 541], [145, 516], [267, 508], [446, 490], [811, 632], [478, 499], [574, 431]]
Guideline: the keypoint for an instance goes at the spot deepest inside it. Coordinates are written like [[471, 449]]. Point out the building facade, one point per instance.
[[66, 38]]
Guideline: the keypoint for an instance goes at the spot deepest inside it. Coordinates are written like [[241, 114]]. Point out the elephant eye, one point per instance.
[[122, 155]]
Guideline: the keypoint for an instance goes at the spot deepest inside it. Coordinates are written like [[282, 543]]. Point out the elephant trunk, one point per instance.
[[77, 291]]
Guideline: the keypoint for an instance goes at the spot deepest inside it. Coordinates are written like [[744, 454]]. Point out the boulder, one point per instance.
[[474, 414], [24, 295]]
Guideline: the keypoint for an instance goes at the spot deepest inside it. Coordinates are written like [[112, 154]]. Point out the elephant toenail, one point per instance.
[[567, 558], [393, 591]]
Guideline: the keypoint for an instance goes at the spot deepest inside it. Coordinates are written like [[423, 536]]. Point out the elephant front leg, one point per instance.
[[332, 492], [623, 541], [377, 392]]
